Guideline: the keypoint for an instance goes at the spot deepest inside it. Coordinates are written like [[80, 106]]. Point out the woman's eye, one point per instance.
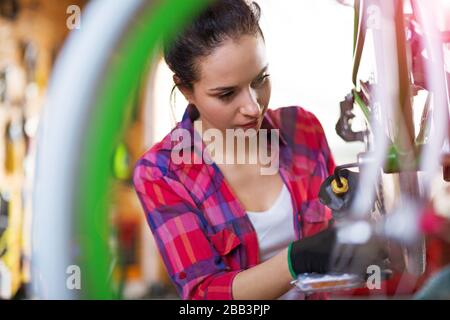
[[226, 95], [261, 80]]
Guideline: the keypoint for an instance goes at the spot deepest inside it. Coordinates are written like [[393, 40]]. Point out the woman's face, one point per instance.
[[233, 89]]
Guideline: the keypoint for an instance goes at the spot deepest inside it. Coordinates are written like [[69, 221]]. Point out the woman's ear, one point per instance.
[[187, 92]]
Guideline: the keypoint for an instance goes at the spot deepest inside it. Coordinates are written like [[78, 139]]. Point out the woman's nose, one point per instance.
[[250, 106]]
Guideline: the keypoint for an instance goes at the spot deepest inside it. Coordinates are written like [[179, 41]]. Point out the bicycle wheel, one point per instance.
[[72, 228], [389, 100]]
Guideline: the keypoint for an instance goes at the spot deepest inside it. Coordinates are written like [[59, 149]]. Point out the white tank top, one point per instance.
[[275, 230]]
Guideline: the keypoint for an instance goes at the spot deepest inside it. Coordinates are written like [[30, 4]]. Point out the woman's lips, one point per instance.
[[250, 125]]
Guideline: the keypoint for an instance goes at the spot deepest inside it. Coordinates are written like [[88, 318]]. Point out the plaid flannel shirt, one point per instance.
[[202, 231]]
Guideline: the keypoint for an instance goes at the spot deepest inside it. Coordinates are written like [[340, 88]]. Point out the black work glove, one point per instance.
[[312, 254], [322, 254], [356, 258]]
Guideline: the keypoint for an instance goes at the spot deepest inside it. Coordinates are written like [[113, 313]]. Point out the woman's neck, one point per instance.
[[232, 148]]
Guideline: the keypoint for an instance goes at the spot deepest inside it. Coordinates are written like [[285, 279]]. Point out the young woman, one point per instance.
[[224, 229]]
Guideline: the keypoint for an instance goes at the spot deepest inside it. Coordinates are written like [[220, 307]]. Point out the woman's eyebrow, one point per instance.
[[233, 87], [222, 89]]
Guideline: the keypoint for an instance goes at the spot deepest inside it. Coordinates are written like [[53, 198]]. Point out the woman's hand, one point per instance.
[[323, 254]]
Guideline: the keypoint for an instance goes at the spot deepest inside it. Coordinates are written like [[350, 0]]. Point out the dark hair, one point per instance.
[[222, 20]]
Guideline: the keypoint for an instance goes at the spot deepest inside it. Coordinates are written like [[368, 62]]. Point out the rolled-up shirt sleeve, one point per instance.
[[191, 260], [311, 131], [325, 147]]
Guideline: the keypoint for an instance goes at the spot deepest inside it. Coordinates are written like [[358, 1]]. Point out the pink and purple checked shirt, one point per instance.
[[202, 231]]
